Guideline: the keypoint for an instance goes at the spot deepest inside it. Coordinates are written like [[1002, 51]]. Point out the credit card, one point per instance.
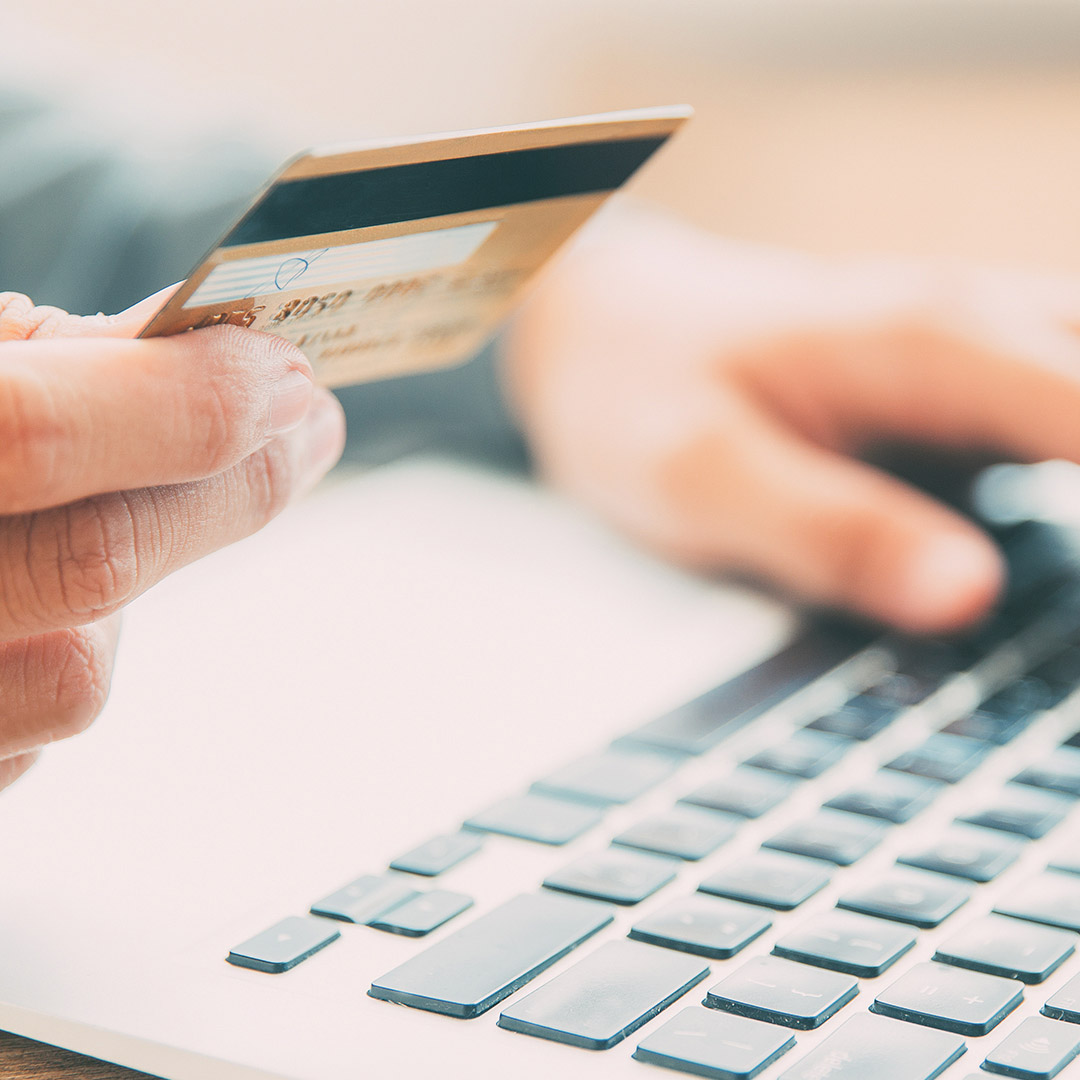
[[392, 258]]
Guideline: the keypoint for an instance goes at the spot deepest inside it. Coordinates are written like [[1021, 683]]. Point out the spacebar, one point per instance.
[[484, 962]]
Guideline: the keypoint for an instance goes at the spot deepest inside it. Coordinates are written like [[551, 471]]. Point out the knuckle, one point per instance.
[[215, 435], [82, 674], [21, 318], [83, 558], [268, 477], [32, 433], [857, 555]]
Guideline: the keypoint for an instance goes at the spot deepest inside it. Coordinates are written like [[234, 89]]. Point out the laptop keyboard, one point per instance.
[[941, 712]]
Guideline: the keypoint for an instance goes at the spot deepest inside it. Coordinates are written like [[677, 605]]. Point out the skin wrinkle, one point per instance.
[[97, 571], [81, 686]]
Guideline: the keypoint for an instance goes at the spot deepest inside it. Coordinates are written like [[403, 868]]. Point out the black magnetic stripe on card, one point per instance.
[[359, 200]]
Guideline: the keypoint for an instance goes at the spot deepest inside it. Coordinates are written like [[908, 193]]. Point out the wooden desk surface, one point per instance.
[[24, 1059]]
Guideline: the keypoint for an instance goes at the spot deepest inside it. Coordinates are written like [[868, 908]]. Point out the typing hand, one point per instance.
[[121, 461], [714, 400]]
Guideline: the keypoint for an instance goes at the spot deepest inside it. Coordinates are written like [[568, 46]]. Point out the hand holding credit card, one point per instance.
[[389, 259]]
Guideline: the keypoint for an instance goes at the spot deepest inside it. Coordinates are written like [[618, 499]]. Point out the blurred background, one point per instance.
[[945, 127]]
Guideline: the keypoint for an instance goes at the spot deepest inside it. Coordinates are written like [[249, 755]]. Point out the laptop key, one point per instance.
[[615, 874], [908, 896], [770, 878], [890, 796], [713, 1044], [1061, 673], [749, 793], [423, 913], [843, 941], [1065, 1004], [701, 724], [364, 899], [831, 835], [683, 831], [1008, 947], [967, 852], [1050, 898], [703, 925], [1067, 863], [535, 817], [782, 992], [613, 776], [861, 718], [1004, 715], [949, 998], [1060, 771], [1025, 811], [438, 854], [948, 758], [805, 754], [1037, 1050], [867, 1046], [485, 961], [284, 945], [603, 998]]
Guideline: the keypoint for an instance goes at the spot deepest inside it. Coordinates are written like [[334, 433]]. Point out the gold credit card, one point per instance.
[[392, 258]]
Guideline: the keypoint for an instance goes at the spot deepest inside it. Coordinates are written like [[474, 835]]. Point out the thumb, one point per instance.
[[831, 530]]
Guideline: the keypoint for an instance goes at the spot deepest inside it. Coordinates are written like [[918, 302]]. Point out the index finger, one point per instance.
[[83, 416]]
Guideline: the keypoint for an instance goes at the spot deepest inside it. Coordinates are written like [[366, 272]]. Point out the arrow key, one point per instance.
[[284, 945]]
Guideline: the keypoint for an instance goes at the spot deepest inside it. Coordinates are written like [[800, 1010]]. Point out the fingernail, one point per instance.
[[325, 439], [290, 403]]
